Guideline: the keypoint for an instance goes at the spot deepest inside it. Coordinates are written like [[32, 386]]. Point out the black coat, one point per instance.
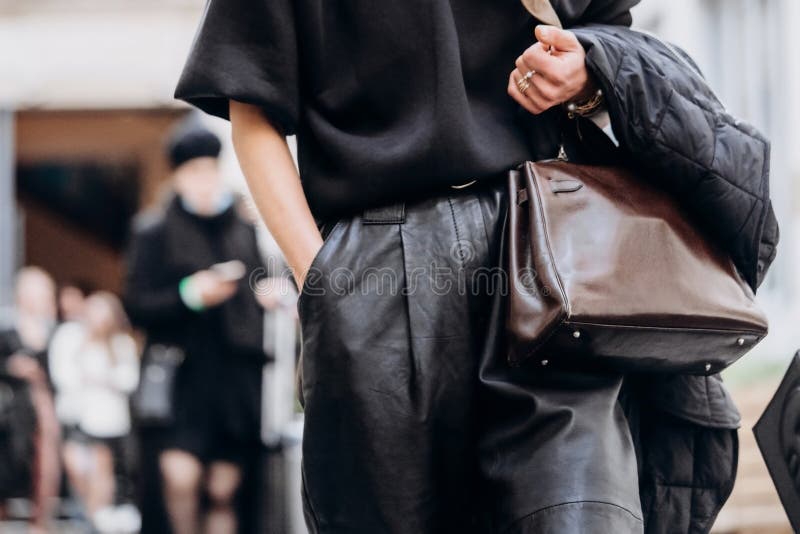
[[17, 421], [167, 247], [224, 344]]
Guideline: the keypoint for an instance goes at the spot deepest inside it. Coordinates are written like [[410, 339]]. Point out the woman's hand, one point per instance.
[[558, 63], [212, 289], [272, 291]]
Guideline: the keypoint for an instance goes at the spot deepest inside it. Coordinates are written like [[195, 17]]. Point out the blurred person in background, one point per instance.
[[94, 365], [187, 287], [17, 438], [23, 349], [71, 300]]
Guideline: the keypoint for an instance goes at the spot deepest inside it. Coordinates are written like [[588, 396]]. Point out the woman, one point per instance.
[[94, 364], [407, 115], [23, 354]]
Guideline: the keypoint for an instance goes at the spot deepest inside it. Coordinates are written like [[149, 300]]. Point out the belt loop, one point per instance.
[[391, 214]]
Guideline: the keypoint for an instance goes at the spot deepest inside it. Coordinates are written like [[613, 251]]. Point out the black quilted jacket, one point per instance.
[[672, 125]]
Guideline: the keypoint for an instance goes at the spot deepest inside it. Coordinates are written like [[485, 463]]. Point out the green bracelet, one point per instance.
[[189, 296]]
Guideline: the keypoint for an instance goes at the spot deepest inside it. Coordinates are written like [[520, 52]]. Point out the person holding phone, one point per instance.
[[188, 289]]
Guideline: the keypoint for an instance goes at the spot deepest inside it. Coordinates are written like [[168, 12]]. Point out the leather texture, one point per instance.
[[606, 268], [414, 421]]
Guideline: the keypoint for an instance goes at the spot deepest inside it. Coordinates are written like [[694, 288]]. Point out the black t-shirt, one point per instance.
[[389, 100]]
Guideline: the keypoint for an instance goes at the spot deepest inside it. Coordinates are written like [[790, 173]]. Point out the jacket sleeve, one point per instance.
[[679, 135], [150, 298]]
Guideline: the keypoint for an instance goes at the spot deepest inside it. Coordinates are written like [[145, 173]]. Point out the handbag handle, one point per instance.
[[543, 10]]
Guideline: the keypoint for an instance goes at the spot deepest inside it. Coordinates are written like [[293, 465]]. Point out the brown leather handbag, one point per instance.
[[605, 268]]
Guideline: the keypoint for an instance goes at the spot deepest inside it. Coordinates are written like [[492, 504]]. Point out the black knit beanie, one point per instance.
[[192, 140]]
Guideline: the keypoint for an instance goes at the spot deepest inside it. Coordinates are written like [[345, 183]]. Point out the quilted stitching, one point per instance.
[[672, 124]]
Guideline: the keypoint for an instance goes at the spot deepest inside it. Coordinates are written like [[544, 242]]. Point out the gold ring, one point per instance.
[[524, 83]]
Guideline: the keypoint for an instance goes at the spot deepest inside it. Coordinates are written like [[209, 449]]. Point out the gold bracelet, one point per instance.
[[585, 108]]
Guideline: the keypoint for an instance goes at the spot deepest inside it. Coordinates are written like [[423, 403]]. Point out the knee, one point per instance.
[[181, 472], [222, 483], [221, 492], [177, 482], [74, 458]]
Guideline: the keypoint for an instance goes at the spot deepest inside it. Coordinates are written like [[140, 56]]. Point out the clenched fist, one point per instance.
[[555, 68]]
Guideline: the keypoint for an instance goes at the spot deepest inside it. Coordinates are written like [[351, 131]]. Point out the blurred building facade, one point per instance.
[[85, 105]]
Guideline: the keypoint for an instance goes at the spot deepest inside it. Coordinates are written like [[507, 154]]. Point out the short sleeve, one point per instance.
[[245, 50]]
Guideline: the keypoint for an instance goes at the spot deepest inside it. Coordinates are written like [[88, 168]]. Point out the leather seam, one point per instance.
[[553, 506], [485, 224], [667, 328], [304, 488], [542, 219], [373, 217], [458, 234], [693, 491], [376, 222], [684, 486], [303, 291]]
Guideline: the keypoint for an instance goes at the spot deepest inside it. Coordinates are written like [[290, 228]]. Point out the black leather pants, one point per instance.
[[415, 422]]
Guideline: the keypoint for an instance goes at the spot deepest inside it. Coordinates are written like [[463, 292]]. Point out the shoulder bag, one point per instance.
[[605, 268]]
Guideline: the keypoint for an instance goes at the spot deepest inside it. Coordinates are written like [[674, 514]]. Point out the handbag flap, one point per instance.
[[626, 255]]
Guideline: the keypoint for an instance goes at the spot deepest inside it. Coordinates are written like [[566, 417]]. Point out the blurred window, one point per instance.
[[99, 197], [744, 41], [747, 69]]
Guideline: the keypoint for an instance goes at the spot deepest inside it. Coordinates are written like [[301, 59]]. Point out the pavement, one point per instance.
[[754, 506]]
